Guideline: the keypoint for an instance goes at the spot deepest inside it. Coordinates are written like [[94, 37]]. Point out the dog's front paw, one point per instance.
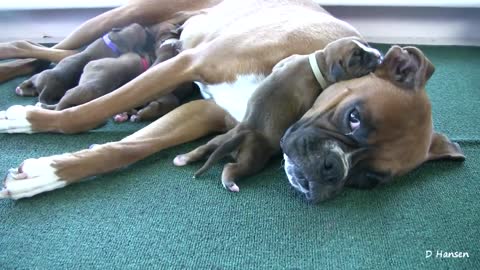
[[34, 176], [121, 117], [14, 120], [27, 88]]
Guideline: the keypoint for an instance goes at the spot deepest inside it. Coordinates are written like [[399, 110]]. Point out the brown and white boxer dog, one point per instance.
[[372, 127], [361, 136], [278, 102], [52, 84]]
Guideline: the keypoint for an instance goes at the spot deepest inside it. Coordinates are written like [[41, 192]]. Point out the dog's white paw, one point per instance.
[[14, 120], [34, 176]]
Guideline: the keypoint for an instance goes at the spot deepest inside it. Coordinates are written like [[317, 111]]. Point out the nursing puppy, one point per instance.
[[101, 77], [167, 44], [52, 84], [279, 101]]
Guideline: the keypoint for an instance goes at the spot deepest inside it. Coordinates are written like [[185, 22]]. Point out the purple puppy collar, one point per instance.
[[111, 45]]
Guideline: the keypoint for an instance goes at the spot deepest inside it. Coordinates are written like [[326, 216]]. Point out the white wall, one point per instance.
[[48, 4], [407, 25]]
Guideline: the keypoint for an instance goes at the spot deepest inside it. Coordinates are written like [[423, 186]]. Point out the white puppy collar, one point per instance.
[[316, 71]]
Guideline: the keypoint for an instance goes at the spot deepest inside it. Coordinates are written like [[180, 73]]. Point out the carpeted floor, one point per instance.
[[155, 216]]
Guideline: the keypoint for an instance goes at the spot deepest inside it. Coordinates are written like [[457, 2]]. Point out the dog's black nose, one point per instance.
[[332, 170], [370, 60]]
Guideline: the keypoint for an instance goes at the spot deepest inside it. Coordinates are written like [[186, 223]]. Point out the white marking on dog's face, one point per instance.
[[234, 96], [169, 41], [315, 188], [345, 157], [14, 120], [288, 166], [368, 49], [37, 176]]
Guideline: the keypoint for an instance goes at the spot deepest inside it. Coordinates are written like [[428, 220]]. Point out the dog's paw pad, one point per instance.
[[121, 117], [19, 91], [231, 187], [135, 118], [180, 160]]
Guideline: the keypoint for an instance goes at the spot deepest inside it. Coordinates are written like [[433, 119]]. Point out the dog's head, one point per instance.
[[364, 131], [349, 58], [131, 38]]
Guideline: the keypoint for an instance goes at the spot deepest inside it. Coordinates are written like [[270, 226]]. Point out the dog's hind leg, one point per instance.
[[144, 12], [201, 152], [27, 49], [250, 159], [156, 81], [186, 123]]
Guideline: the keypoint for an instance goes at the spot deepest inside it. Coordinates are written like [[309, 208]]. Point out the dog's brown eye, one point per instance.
[[354, 119]]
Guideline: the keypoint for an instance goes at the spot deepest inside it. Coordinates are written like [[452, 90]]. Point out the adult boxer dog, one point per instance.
[[234, 46], [295, 82], [52, 84]]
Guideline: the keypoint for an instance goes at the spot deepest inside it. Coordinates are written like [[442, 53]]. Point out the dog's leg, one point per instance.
[[12, 69], [80, 94], [86, 33], [163, 78], [187, 123], [144, 12], [156, 108], [247, 163], [201, 152], [26, 49]]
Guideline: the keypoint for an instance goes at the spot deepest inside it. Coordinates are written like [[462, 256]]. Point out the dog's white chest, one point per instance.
[[234, 96]]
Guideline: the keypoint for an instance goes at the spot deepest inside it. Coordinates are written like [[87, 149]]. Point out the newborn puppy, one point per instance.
[[52, 84], [281, 99], [166, 37], [101, 77]]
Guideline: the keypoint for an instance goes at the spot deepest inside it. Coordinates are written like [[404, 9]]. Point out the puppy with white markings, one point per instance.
[[295, 83]]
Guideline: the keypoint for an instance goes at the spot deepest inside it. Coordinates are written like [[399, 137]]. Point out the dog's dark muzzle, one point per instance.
[[316, 164]]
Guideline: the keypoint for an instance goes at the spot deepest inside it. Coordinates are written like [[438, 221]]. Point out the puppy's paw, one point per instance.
[[14, 120], [34, 176], [230, 186], [26, 89], [135, 118], [121, 117]]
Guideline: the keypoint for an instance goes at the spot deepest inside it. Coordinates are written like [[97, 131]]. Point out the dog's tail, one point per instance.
[[222, 151]]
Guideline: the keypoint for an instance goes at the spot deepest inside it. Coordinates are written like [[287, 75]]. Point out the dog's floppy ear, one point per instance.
[[407, 67], [442, 148]]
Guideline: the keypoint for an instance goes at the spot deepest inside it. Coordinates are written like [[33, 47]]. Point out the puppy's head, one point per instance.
[[364, 131], [131, 38], [349, 58]]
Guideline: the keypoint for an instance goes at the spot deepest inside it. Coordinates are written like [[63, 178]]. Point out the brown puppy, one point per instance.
[[101, 77], [167, 45], [52, 84], [295, 83]]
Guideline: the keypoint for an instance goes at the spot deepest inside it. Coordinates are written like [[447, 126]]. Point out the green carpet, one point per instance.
[[155, 216]]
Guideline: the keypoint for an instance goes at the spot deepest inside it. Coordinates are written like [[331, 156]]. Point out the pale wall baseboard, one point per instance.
[[393, 25]]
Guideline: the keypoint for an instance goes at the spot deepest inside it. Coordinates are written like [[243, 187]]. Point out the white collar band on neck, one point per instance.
[[316, 70]]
